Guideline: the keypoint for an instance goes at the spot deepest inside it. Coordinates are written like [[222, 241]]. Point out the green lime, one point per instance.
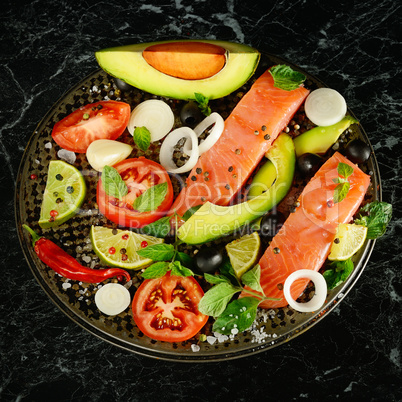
[[348, 240], [118, 248], [243, 252], [64, 194]]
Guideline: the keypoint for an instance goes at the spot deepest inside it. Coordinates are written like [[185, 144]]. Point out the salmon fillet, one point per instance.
[[305, 239], [249, 131]]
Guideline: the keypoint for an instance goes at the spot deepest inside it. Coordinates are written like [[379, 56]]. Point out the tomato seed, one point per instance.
[[144, 244], [112, 250]]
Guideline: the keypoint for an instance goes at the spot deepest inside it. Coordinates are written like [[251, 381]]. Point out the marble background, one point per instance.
[[354, 47]]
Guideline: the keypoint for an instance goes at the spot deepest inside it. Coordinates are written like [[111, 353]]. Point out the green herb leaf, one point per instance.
[[227, 270], [341, 191], [184, 258], [178, 270], [112, 182], [344, 170], [159, 228], [216, 279], [376, 216], [202, 103], [191, 211], [158, 252], [338, 273], [252, 279], [215, 300], [142, 137], [286, 78], [150, 199], [238, 316], [156, 270]]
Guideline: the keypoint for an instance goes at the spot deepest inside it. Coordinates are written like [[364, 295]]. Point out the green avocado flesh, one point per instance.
[[263, 180], [319, 139], [128, 64], [213, 221]]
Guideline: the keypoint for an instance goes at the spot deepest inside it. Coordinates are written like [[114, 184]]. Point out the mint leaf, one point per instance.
[[338, 273], [215, 300], [112, 183], [376, 216], [286, 78], [158, 252], [156, 270], [227, 270], [252, 279], [142, 137], [344, 170], [238, 316], [341, 191], [159, 228], [202, 103], [178, 270], [216, 279], [150, 199], [184, 258]]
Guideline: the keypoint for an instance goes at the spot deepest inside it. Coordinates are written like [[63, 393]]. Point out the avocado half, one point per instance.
[[209, 67]]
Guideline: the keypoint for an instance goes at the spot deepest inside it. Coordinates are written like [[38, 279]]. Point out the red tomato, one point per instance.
[[139, 174], [166, 309], [100, 120]]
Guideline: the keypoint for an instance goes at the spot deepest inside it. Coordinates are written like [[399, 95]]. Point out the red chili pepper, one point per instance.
[[67, 266]]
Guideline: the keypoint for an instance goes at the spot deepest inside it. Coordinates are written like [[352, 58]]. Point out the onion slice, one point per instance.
[[168, 148], [155, 115], [325, 107], [319, 295], [218, 123], [112, 298]]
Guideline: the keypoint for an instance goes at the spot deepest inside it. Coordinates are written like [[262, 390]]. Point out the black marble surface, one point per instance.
[[354, 353]]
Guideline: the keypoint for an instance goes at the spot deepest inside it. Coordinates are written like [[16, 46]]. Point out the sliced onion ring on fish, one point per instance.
[[320, 292], [218, 123], [168, 148], [112, 298], [155, 115]]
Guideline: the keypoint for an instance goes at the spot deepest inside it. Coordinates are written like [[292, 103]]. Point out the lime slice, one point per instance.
[[348, 240], [118, 248], [243, 252], [64, 194]]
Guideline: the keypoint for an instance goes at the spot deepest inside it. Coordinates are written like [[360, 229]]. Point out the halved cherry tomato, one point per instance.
[[139, 174], [166, 308], [100, 120]]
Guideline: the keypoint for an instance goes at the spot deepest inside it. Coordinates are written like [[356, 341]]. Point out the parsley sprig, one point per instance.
[[202, 103]]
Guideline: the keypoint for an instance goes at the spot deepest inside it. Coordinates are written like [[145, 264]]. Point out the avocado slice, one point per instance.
[[263, 179], [319, 139], [209, 67], [213, 221]]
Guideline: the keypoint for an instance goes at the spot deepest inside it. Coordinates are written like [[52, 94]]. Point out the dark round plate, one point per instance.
[[76, 299]]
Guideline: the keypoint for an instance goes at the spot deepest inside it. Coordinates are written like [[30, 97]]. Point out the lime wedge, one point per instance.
[[348, 240], [64, 194], [243, 252], [118, 248]]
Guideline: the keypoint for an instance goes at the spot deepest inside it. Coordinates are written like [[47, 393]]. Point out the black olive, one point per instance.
[[190, 114], [122, 85], [308, 164], [357, 151], [208, 260], [270, 224]]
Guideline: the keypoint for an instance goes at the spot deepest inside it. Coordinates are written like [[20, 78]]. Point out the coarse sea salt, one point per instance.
[[48, 145], [66, 285], [67, 156], [195, 348]]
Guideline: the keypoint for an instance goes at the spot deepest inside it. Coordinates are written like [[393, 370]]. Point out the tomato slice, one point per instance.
[[166, 308], [139, 174], [95, 121]]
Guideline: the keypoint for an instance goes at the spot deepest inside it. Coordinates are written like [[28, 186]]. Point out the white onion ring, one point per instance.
[[167, 149], [112, 298], [325, 106], [319, 295], [213, 136], [155, 115]]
